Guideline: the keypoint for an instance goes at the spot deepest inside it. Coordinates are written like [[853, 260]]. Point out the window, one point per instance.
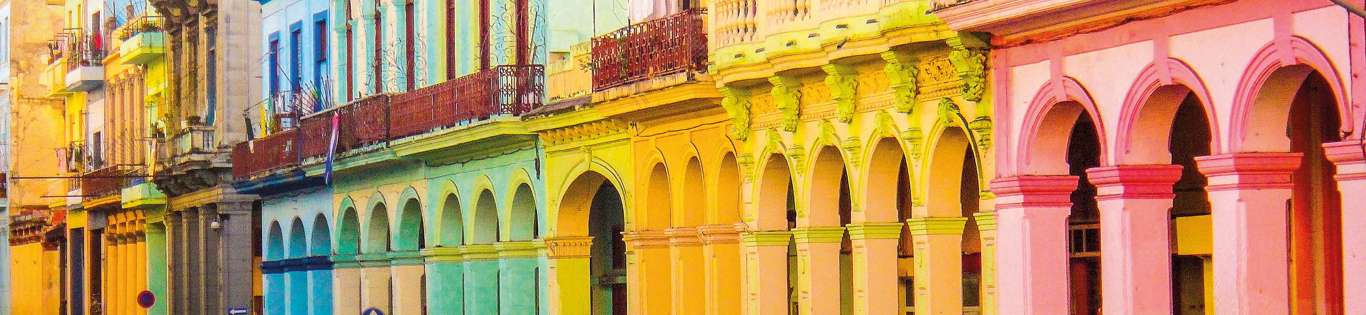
[[273, 66], [408, 43], [379, 48], [296, 65], [320, 55], [350, 56]]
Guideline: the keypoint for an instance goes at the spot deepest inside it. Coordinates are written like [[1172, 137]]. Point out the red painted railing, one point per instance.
[[501, 90], [663, 46], [105, 181]]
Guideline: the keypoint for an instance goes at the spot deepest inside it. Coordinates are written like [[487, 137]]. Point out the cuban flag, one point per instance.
[[331, 149]]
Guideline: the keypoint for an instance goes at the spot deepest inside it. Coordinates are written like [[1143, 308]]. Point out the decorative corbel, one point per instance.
[[981, 128], [948, 112], [843, 84], [914, 141], [736, 103], [787, 97], [970, 63], [746, 162], [901, 73]]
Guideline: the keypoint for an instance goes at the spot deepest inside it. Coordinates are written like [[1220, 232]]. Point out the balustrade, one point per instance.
[[639, 52]]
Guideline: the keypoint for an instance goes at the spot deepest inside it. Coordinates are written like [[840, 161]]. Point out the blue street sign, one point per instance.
[[372, 311], [238, 311]]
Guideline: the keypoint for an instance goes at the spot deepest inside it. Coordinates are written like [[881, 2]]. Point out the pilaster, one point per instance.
[[938, 246], [766, 268], [689, 270], [1248, 194], [569, 274], [648, 269], [1348, 157], [721, 264], [818, 269], [875, 280]]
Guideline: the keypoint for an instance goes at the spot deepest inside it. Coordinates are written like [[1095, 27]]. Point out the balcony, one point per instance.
[[84, 55], [193, 144], [142, 40], [107, 181], [502, 90], [652, 49]]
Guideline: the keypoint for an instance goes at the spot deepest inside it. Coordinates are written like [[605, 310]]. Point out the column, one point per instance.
[[648, 272], [177, 254], [320, 284], [1031, 235], [568, 276], [938, 254], [986, 230], [1248, 195], [517, 276], [689, 271], [407, 269], [765, 258], [375, 281], [445, 280], [481, 280], [194, 255], [346, 285], [296, 273], [1347, 156], [875, 276], [721, 264], [1135, 203], [274, 286], [232, 283], [164, 265], [818, 269]]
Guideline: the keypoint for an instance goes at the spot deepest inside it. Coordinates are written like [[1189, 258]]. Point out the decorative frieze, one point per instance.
[[584, 132], [720, 233], [970, 65], [569, 247]]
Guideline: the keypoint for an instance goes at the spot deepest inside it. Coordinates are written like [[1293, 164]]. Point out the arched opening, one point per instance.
[[953, 193], [524, 223], [275, 295], [377, 237], [275, 242], [607, 260], [348, 231], [905, 246], [658, 201], [322, 237], [1083, 152], [1310, 119], [969, 195], [411, 234], [452, 222], [777, 211], [485, 219], [829, 179], [727, 192], [694, 196], [298, 243]]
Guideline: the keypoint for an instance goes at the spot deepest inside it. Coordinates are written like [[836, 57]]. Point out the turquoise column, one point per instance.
[[518, 276], [274, 287], [321, 285], [298, 287], [156, 266], [445, 281], [481, 280]]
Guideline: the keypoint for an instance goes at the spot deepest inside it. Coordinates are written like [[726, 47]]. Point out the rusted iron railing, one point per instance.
[[502, 90], [639, 52]]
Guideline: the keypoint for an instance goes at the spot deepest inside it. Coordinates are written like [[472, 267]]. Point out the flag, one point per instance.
[[331, 149]]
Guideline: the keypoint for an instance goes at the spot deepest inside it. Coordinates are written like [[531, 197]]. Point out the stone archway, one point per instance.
[[297, 280], [589, 246], [321, 296]]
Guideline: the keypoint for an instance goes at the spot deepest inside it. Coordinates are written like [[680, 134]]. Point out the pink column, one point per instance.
[[1248, 194], [1135, 256], [1031, 243], [1351, 177]]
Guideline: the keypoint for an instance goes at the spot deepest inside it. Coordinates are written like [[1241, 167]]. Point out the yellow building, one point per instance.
[[783, 157]]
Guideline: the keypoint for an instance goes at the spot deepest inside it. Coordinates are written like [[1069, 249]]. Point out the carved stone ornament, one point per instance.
[[901, 73], [981, 128], [948, 112], [787, 97], [843, 84], [736, 103], [971, 66]]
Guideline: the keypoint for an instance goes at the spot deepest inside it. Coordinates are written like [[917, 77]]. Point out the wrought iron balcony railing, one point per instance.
[[659, 47], [192, 143], [502, 90], [107, 181], [139, 25]]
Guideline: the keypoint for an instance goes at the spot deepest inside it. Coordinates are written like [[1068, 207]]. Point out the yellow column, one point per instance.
[[346, 285], [818, 265], [647, 272], [765, 257], [406, 269], [689, 273], [986, 227], [875, 287], [140, 264], [721, 260], [568, 272], [375, 282], [938, 264]]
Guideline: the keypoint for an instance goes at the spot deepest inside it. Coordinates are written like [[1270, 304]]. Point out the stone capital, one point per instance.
[[1349, 157], [1134, 181], [937, 226], [569, 247], [372, 260], [645, 239], [404, 258], [480, 252], [719, 234], [809, 235], [887, 230], [766, 238], [1034, 191], [684, 236], [443, 254], [1249, 170], [519, 249], [986, 221]]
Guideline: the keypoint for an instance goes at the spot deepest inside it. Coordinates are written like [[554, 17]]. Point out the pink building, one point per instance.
[[1187, 156]]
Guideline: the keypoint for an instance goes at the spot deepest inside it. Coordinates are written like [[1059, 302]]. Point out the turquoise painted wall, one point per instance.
[[518, 285], [304, 219], [156, 266], [446, 288]]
